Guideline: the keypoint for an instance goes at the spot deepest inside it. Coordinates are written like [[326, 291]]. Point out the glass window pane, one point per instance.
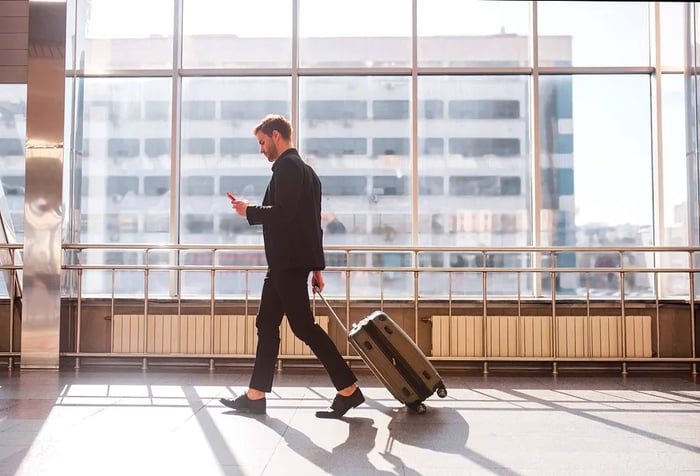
[[484, 109], [226, 34], [252, 110], [390, 146], [344, 186], [199, 110], [672, 33], [335, 146], [126, 168], [220, 154], [158, 147], [593, 33], [239, 146], [156, 186], [11, 147], [198, 185], [430, 185], [199, 146], [364, 162], [431, 146], [335, 110], [129, 34], [13, 117], [252, 187], [157, 110], [354, 34], [473, 33], [390, 109], [390, 185], [484, 146], [483, 170], [675, 165], [596, 160]]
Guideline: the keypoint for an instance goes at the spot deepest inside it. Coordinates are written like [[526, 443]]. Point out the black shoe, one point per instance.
[[341, 405], [245, 404]]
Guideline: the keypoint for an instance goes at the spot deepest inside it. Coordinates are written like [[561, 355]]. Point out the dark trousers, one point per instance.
[[286, 292]]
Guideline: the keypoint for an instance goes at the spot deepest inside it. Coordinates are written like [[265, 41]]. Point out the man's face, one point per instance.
[[267, 145]]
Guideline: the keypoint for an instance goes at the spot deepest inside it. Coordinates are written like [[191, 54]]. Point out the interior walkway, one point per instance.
[[99, 421]]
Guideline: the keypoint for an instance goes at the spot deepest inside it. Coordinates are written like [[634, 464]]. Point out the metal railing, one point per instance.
[[10, 270], [517, 277]]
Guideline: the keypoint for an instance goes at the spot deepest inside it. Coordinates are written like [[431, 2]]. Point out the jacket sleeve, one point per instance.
[[287, 182]]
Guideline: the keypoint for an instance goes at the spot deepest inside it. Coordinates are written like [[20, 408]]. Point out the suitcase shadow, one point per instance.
[[441, 429]]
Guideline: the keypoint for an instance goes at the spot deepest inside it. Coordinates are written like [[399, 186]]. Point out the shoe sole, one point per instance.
[[241, 410]]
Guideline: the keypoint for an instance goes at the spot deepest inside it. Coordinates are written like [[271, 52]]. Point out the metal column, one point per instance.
[[43, 202]]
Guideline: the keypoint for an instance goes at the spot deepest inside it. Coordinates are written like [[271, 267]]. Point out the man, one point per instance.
[[291, 219]]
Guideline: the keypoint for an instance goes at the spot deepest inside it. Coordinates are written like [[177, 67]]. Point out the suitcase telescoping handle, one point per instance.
[[330, 308]]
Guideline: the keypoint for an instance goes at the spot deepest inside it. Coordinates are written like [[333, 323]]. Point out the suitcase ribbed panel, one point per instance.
[[191, 334], [400, 360], [394, 358]]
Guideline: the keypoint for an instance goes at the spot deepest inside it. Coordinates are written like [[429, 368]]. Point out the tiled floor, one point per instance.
[[99, 421]]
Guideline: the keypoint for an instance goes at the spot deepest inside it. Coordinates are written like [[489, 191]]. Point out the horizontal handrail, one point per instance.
[[78, 260]]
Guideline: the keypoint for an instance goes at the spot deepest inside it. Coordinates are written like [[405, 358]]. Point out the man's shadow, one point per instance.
[[348, 458]]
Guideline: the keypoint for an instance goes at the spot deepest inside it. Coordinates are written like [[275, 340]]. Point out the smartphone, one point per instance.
[[230, 197]]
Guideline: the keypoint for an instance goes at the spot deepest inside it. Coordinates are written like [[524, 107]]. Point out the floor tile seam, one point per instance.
[[279, 443]]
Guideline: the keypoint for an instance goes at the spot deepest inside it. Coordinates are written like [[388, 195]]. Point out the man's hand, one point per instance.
[[317, 281], [240, 206]]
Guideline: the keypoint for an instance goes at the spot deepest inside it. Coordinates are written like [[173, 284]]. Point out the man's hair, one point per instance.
[[275, 122]]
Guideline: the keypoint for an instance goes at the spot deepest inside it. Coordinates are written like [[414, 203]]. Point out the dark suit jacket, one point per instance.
[[291, 215]]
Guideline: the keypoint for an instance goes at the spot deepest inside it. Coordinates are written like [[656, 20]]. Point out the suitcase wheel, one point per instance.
[[441, 391], [419, 408]]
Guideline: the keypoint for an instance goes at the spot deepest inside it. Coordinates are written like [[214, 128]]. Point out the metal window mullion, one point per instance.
[[602, 70], [414, 128], [657, 135], [233, 72], [535, 194], [657, 128], [362, 71], [74, 224], [124, 73], [176, 114], [691, 123], [294, 73], [414, 159], [473, 71]]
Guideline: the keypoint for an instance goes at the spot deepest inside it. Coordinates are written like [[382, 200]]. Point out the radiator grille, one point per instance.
[[604, 338], [458, 336], [191, 334], [506, 336], [530, 336]]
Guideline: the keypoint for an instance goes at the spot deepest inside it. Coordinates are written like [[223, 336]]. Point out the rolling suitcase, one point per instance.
[[393, 358]]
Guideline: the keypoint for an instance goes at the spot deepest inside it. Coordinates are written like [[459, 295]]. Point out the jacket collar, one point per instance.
[[286, 153]]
